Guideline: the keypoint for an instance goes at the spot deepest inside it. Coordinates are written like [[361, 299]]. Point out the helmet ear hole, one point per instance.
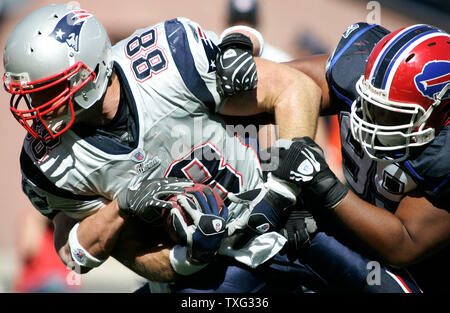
[[96, 70], [410, 57]]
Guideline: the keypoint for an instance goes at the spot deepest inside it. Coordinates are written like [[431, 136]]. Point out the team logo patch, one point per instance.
[[433, 78], [230, 53], [305, 168], [69, 27], [350, 30], [138, 155], [263, 227], [217, 224], [210, 48], [79, 255]]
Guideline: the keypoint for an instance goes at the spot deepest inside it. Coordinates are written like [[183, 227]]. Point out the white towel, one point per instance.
[[257, 251]]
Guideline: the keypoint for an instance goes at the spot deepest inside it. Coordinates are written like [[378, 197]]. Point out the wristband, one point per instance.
[[79, 254], [180, 263], [251, 30]]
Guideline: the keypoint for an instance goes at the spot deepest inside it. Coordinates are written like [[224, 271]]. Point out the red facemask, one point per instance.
[[57, 114]]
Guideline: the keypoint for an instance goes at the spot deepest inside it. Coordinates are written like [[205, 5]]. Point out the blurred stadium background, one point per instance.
[[298, 27]]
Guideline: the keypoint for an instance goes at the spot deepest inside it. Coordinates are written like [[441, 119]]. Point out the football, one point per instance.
[[167, 220]]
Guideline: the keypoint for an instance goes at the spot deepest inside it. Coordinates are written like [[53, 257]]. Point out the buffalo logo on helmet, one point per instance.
[[433, 78], [69, 27]]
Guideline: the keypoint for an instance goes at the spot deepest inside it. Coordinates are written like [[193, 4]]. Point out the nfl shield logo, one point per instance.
[[79, 255], [263, 227], [306, 168], [138, 155], [217, 224]]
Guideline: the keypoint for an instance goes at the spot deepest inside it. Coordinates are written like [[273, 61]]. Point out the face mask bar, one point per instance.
[[74, 79], [379, 139]]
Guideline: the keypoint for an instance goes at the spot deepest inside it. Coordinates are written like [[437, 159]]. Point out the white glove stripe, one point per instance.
[[312, 159], [253, 75], [283, 188], [236, 71], [194, 214], [248, 71]]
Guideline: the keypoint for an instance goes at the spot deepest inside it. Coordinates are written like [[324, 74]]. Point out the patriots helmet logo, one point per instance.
[[433, 78], [68, 28]]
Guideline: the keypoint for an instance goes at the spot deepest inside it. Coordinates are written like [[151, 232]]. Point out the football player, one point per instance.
[[391, 91], [321, 254], [323, 263], [111, 129]]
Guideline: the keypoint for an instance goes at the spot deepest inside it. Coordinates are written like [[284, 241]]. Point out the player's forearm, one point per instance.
[[98, 232], [297, 109], [315, 66], [153, 264], [378, 230], [144, 252], [290, 95], [293, 98]]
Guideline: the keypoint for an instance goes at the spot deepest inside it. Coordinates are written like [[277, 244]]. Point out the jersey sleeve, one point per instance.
[[194, 51], [348, 61], [48, 199]]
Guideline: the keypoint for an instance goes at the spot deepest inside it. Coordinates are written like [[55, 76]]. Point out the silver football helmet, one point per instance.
[[57, 62]]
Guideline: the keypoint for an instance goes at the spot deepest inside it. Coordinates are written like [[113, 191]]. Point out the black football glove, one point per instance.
[[268, 208], [145, 197], [235, 65], [302, 163], [299, 230]]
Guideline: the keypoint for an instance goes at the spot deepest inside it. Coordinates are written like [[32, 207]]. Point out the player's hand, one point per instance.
[[145, 198], [209, 215], [302, 163], [299, 229], [268, 208], [235, 65]]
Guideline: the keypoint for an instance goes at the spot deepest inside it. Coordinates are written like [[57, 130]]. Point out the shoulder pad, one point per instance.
[[348, 61]]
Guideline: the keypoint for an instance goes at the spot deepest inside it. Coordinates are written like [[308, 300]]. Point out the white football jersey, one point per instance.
[[168, 74]]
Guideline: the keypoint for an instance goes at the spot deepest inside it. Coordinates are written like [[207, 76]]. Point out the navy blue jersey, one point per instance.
[[348, 61], [383, 185]]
